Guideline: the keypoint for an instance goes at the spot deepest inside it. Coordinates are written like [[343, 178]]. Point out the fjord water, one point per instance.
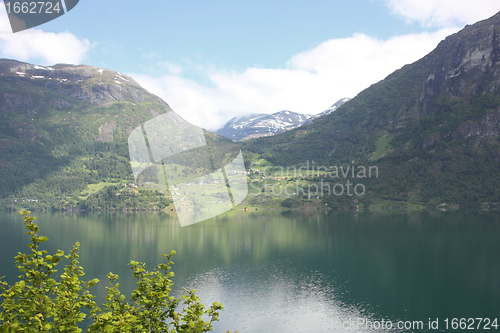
[[291, 271]]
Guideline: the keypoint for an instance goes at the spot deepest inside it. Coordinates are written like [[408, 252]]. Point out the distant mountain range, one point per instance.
[[261, 124]]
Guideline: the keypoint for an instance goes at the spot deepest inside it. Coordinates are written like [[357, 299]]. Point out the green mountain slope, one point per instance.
[[63, 138], [431, 127]]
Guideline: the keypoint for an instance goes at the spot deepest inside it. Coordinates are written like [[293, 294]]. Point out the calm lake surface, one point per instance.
[[291, 271]]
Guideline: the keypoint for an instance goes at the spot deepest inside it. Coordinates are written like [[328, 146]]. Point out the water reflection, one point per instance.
[[294, 271], [278, 297]]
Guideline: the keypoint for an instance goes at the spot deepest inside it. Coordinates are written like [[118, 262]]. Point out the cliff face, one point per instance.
[[464, 67], [462, 70], [466, 63]]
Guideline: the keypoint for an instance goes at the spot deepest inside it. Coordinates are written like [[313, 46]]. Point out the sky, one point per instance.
[[215, 60]]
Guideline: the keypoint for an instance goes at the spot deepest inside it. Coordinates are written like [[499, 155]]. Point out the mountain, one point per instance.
[[63, 137], [332, 108], [261, 124], [431, 128]]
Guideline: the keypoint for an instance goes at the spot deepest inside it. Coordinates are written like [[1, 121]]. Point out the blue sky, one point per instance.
[[213, 60]]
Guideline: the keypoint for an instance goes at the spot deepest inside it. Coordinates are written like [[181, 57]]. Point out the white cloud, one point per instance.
[[171, 67], [43, 48], [444, 12], [310, 82]]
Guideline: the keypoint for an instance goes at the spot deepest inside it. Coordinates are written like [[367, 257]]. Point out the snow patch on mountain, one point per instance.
[[261, 124]]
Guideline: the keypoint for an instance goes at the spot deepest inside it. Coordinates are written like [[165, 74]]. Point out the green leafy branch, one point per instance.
[[42, 302]]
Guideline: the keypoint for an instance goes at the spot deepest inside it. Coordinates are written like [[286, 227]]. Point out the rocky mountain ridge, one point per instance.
[[261, 125], [93, 85], [331, 109]]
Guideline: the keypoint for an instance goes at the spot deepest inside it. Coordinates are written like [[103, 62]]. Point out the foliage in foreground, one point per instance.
[[42, 302]]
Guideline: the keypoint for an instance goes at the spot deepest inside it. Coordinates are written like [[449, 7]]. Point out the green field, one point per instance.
[[94, 188], [383, 147]]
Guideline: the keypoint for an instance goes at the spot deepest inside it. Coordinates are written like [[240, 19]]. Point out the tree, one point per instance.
[[40, 302]]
